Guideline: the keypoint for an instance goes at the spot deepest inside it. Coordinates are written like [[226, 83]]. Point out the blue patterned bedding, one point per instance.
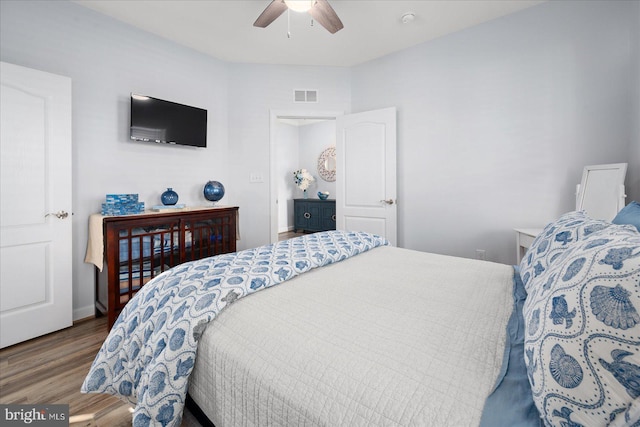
[[150, 352], [581, 322]]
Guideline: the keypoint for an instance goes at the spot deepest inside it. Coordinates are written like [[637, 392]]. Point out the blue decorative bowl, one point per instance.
[[323, 195], [213, 191]]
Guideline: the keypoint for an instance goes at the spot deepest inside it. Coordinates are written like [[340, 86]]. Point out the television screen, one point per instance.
[[157, 120]]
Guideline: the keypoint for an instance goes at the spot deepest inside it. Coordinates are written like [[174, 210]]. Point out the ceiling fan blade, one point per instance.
[[323, 13], [275, 9]]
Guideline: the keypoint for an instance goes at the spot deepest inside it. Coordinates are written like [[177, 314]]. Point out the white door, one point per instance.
[[366, 173], [35, 181]]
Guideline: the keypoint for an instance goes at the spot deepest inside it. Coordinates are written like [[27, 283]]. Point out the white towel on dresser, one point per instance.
[[95, 242]]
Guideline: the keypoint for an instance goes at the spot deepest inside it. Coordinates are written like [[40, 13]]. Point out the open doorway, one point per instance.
[[297, 139]]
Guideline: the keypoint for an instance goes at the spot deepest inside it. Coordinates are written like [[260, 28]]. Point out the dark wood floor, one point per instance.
[[288, 235], [51, 369]]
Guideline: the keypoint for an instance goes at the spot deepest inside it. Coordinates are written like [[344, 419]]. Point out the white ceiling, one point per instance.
[[224, 28]]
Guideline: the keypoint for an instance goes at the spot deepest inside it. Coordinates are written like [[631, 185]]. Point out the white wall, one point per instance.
[[314, 138], [496, 122], [287, 155], [633, 173]]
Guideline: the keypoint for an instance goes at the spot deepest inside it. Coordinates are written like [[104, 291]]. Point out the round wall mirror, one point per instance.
[[327, 164]]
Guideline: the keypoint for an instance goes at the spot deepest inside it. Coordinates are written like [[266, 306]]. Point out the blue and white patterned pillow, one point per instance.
[[582, 322], [554, 242]]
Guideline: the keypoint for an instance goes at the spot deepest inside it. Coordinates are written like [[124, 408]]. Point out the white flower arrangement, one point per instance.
[[303, 179]]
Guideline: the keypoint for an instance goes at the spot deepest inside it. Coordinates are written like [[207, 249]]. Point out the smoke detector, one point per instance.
[[408, 17]]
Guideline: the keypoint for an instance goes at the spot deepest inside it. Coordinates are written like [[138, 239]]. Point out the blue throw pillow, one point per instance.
[[630, 214]]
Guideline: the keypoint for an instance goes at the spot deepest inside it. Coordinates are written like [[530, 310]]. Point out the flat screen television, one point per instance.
[[167, 122]]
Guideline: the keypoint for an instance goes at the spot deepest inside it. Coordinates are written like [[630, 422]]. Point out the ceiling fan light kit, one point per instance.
[[320, 10], [299, 5]]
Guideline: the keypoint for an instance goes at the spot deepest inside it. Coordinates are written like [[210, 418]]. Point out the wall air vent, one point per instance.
[[300, 95]]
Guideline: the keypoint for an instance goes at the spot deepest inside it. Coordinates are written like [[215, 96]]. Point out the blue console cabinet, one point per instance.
[[314, 214]]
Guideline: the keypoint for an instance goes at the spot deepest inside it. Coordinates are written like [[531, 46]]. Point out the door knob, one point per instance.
[[59, 214], [389, 202]]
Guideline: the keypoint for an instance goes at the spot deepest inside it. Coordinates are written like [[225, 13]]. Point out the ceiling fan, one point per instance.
[[320, 10]]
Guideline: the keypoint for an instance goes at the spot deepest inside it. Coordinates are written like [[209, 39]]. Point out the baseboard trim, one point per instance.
[[84, 312]]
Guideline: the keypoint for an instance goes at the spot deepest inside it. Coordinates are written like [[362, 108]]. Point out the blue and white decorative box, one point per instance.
[[122, 204]]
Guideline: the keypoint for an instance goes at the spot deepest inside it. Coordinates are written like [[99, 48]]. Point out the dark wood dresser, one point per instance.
[[139, 247]]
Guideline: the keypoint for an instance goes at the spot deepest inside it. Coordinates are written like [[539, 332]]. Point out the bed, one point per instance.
[[330, 348], [339, 328]]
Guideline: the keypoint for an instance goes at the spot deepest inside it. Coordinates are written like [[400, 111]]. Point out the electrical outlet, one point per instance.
[[255, 177], [481, 254]]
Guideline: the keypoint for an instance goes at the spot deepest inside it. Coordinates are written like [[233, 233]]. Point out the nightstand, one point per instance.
[[524, 239]]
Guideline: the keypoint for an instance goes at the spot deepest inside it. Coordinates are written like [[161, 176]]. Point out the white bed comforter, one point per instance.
[[391, 337]]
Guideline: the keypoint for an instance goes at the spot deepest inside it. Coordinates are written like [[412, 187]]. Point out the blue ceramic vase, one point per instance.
[[169, 197]]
